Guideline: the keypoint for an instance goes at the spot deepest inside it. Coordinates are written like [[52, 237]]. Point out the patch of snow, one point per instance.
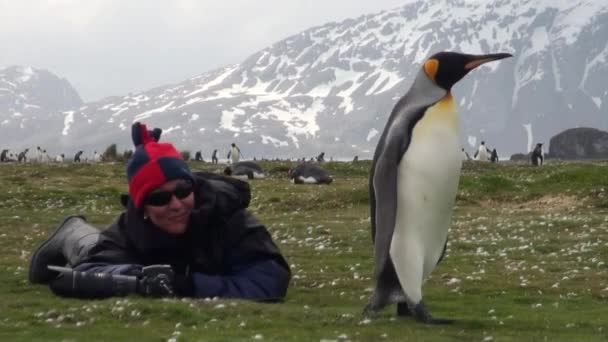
[[67, 121], [147, 114], [472, 140], [528, 128], [557, 76], [215, 81], [574, 16], [601, 59], [372, 133], [524, 71], [170, 129], [227, 119], [26, 74]]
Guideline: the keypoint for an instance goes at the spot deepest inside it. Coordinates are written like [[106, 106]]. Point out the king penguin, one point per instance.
[[412, 193]]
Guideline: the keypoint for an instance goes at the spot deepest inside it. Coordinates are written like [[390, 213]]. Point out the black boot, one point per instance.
[[66, 246]]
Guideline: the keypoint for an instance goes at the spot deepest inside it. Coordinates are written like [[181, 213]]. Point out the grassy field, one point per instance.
[[527, 260]]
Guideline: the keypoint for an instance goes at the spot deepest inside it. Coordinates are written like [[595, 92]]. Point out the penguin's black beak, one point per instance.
[[478, 60]]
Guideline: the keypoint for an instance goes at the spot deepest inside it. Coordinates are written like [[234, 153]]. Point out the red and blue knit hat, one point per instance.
[[153, 163]]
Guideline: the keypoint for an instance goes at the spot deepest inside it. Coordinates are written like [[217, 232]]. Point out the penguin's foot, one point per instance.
[[369, 311], [421, 314], [403, 310]]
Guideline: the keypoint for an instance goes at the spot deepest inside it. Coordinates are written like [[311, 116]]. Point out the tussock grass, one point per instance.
[[527, 260]]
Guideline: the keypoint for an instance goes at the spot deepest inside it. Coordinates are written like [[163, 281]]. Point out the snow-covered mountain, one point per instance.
[[31, 102], [332, 87]]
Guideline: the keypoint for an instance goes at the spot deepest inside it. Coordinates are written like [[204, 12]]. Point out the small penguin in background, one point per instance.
[[96, 157], [537, 155], [412, 196], [494, 156], [22, 156], [214, 157], [309, 173], [465, 155], [249, 169], [77, 157], [45, 157], [483, 153], [38, 155], [321, 157], [198, 156], [235, 154]]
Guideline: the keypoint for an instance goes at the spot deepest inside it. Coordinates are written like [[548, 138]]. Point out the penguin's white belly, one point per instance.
[[257, 175], [308, 180], [427, 182], [483, 155]]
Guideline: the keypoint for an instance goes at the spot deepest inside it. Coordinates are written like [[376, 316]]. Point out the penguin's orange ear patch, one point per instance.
[[430, 68]]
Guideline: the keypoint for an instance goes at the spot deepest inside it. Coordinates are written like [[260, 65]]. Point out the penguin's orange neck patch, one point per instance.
[[447, 100], [430, 68]]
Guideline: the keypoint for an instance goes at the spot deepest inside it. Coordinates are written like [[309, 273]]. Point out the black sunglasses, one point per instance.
[[161, 197]]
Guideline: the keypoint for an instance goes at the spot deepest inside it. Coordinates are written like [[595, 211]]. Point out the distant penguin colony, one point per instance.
[[412, 194]]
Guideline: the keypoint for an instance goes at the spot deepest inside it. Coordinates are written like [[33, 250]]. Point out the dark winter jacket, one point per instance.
[[225, 249]]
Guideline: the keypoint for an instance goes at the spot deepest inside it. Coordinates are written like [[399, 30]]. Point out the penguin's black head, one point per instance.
[[447, 68]]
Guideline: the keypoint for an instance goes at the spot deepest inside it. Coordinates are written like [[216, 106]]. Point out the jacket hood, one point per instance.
[[216, 199]]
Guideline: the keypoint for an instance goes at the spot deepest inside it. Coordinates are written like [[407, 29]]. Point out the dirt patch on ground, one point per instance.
[[546, 203]]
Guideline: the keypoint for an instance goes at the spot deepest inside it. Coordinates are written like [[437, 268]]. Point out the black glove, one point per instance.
[[183, 285], [156, 281], [164, 281]]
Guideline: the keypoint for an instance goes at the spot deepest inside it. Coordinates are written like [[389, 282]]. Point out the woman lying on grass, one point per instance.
[[182, 234]]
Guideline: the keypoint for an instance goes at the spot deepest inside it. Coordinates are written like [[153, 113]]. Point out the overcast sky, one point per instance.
[[113, 47]]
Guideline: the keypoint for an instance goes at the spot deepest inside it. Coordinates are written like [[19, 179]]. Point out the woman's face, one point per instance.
[[169, 206]]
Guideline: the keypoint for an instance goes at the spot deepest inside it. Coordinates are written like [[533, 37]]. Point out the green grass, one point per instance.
[[527, 260]]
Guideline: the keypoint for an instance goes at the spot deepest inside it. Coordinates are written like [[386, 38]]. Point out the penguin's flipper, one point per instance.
[[443, 252], [383, 181], [385, 208]]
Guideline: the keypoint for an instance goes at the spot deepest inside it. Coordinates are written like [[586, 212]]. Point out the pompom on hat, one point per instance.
[[153, 163]]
